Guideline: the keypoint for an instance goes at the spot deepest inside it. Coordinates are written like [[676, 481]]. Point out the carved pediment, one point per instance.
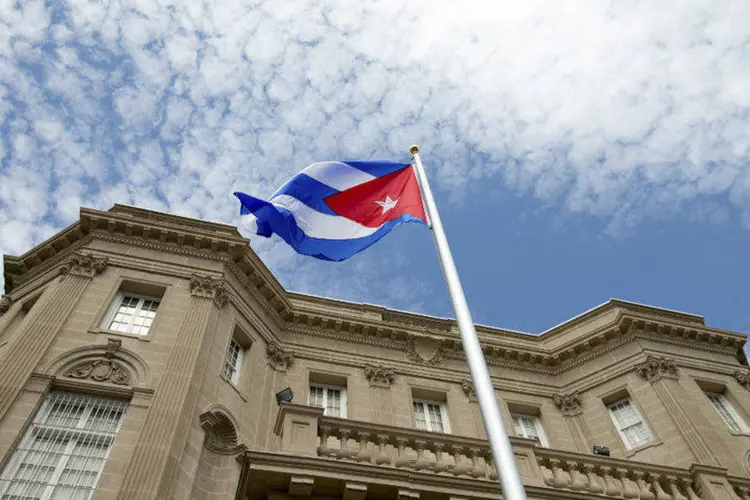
[[209, 288], [654, 368], [569, 404], [426, 350], [743, 378], [278, 358], [5, 303], [379, 376], [468, 387], [84, 265]]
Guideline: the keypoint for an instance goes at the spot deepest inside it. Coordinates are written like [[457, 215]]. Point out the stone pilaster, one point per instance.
[[570, 407], [43, 323], [160, 446], [701, 438]]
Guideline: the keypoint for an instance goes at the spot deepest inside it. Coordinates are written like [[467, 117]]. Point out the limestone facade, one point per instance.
[[164, 341]]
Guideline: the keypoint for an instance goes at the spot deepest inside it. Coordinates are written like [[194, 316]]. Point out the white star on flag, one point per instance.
[[387, 204]]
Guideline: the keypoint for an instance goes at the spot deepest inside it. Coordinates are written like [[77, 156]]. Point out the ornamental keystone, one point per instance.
[[654, 368], [209, 288], [279, 359], [83, 265], [379, 376], [569, 404]]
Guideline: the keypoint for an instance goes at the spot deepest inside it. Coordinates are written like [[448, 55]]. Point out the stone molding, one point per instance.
[[743, 378], [209, 288], [176, 235], [656, 368], [83, 265], [426, 350], [279, 359], [5, 302], [379, 376], [105, 369], [569, 404]]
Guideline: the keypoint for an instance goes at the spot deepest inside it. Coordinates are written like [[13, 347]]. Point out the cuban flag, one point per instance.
[[332, 210]]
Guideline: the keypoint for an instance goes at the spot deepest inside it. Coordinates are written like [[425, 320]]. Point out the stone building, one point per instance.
[[141, 354]]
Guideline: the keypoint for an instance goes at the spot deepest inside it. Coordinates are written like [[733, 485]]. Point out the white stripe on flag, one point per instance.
[[319, 225], [337, 175]]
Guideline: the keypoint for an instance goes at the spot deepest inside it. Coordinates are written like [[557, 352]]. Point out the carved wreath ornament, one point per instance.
[[101, 370], [105, 369]]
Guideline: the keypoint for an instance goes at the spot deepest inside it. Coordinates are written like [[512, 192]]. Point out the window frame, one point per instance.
[[114, 306], [537, 421], [738, 420], [443, 414], [73, 436], [234, 378], [636, 410], [326, 388]]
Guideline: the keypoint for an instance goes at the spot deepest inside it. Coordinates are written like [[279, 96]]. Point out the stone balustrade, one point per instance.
[[306, 431], [412, 449], [611, 477]]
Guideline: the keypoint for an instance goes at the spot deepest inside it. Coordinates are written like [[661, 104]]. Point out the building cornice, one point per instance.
[[299, 314]]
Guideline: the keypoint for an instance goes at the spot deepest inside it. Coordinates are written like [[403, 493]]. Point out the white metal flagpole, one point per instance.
[[502, 452]]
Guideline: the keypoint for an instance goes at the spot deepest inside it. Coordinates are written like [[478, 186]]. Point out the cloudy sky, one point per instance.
[[579, 150]]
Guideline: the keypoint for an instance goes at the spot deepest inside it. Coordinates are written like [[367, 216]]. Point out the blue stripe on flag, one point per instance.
[[377, 168], [333, 250], [308, 191]]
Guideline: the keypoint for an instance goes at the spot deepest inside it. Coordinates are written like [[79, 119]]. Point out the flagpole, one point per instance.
[[502, 452]]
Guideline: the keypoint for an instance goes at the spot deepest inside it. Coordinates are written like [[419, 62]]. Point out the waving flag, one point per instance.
[[332, 210]]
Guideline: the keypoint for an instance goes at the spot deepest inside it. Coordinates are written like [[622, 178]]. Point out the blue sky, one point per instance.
[[578, 151]]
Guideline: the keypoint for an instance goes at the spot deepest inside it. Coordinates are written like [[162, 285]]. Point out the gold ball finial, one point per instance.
[[414, 149]]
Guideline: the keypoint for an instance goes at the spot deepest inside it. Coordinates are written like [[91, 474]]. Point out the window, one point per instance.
[[529, 426], [430, 416], [331, 399], [233, 363], [64, 451], [131, 313], [727, 413], [629, 423]]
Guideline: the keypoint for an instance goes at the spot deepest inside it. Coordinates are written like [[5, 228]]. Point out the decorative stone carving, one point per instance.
[[379, 376], [209, 288], [426, 350], [221, 435], [654, 368], [103, 370], [569, 404], [468, 388], [278, 358], [743, 377], [84, 265], [5, 303]]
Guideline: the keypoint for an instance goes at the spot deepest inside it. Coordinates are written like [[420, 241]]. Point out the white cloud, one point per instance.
[[623, 110]]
